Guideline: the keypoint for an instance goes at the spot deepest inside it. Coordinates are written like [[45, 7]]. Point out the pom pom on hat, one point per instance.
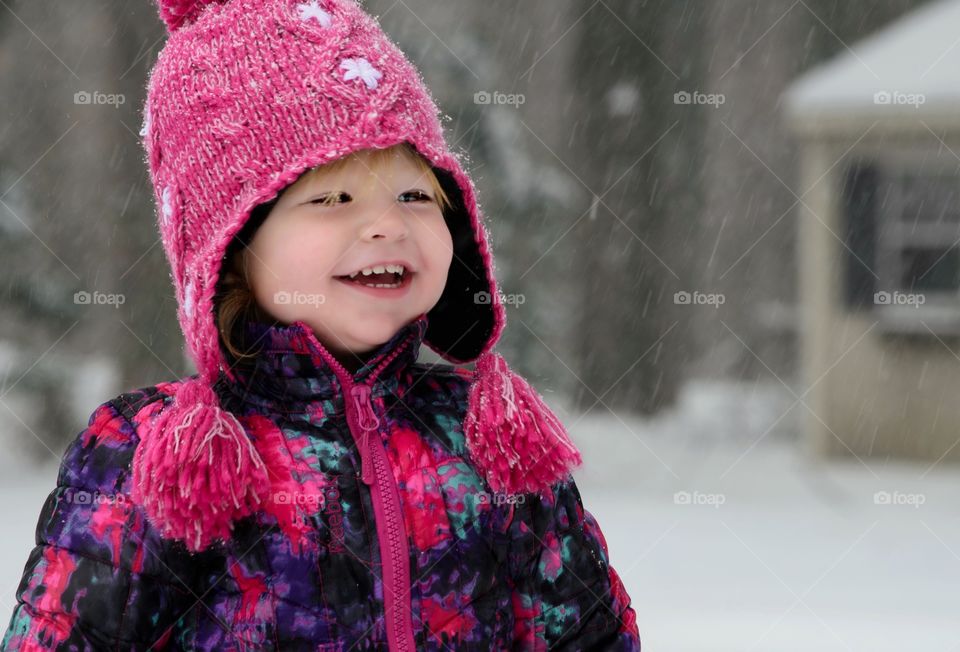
[[177, 12], [512, 435], [196, 470]]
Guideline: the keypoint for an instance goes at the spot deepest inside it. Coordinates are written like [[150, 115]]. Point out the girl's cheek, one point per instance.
[[445, 238], [435, 228]]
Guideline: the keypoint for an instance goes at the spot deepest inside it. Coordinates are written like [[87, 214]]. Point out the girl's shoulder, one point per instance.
[[101, 454]]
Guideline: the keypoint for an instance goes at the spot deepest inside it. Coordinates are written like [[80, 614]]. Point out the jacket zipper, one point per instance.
[[376, 473]]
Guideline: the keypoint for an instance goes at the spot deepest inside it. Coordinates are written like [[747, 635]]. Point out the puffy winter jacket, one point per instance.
[[423, 553]]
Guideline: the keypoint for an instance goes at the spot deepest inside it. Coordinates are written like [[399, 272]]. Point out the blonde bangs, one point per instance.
[[379, 158]]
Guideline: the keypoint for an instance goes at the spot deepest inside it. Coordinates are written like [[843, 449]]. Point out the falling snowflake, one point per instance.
[[313, 10], [145, 129], [361, 69], [167, 208]]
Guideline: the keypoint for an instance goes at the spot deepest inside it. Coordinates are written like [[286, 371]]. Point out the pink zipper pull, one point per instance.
[[368, 423]]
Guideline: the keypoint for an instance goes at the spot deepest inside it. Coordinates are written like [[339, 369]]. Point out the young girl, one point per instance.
[[312, 486]]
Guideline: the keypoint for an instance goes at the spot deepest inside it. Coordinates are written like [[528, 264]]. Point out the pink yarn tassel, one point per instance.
[[196, 471], [512, 434]]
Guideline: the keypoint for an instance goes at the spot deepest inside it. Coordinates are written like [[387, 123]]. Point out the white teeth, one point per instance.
[[380, 269]]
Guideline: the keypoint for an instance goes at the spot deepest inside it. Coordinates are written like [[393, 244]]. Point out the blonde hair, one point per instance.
[[234, 302]]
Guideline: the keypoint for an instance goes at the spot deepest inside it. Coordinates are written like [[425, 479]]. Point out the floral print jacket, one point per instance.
[[404, 548]]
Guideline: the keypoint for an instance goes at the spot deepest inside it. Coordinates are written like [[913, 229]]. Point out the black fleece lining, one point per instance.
[[459, 310]]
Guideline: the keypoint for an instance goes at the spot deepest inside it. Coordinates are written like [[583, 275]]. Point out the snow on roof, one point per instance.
[[910, 67]]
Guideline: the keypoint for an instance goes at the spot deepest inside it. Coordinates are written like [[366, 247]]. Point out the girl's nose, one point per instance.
[[389, 225]]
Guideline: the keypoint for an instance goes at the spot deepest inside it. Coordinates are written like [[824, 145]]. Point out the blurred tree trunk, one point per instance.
[[78, 215], [150, 344], [637, 160]]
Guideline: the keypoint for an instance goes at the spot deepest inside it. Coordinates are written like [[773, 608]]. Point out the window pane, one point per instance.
[[930, 269], [862, 194]]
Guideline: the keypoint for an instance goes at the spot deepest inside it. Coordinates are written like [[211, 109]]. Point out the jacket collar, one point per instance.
[[293, 369]]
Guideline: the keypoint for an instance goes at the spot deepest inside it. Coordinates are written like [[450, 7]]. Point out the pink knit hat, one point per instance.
[[245, 96]]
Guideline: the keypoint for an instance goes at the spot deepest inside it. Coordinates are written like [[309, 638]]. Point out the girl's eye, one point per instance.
[[415, 195], [331, 198]]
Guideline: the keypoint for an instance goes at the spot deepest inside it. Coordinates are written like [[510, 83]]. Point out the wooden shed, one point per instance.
[[877, 136]]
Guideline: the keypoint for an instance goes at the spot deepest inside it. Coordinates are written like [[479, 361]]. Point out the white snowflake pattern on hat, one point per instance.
[[145, 129], [313, 10], [188, 293], [360, 68], [166, 208]]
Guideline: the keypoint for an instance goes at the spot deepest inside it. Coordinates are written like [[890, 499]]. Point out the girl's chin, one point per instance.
[[370, 337], [358, 331]]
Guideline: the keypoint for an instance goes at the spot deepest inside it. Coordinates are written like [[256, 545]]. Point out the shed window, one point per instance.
[[902, 236]]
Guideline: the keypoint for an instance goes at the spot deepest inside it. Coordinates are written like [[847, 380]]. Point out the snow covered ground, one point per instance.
[[772, 552]]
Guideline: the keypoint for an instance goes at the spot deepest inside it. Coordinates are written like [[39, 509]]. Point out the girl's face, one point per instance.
[[301, 257]]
